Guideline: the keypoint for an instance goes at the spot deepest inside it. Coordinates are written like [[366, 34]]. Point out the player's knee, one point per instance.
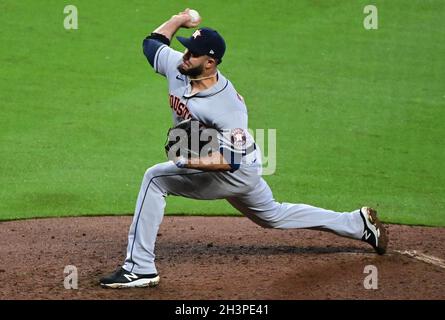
[[149, 174], [271, 223], [156, 170], [261, 222]]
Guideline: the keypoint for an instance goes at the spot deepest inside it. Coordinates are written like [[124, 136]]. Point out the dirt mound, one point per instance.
[[219, 258]]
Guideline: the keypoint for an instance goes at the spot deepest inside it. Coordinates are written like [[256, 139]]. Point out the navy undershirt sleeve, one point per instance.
[[151, 44]]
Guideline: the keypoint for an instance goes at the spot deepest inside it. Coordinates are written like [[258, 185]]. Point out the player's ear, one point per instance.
[[211, 63]]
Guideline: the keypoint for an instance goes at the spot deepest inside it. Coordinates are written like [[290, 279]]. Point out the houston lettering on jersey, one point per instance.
[[179, 108]]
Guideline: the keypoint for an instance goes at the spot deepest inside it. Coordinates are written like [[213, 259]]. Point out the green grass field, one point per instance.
[[359, 113]]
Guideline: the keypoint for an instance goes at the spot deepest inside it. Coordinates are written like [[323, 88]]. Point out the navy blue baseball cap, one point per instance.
[[205, 41]]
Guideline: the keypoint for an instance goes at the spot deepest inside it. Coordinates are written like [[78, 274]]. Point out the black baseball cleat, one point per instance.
[[125, 279], [374, 232]]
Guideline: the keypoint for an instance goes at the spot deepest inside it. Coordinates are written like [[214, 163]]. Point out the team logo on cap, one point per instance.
[[197, 33]]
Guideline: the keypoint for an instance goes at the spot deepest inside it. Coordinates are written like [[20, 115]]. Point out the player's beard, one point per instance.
[[192, 72]]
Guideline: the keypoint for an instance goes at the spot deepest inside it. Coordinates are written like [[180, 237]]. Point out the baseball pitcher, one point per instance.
[[198, 91]]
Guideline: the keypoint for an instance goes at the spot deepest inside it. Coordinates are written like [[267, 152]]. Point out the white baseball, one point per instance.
[[194, 14]]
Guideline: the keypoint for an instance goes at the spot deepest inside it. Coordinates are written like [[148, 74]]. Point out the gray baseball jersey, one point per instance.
[[220, 107]]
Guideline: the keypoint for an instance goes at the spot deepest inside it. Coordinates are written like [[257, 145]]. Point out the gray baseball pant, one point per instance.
[[244, 189]]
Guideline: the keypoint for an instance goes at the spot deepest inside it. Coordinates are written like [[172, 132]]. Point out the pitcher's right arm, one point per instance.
[[162, 36]]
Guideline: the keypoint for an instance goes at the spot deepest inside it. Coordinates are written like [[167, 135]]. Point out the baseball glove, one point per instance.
[[190, 139]]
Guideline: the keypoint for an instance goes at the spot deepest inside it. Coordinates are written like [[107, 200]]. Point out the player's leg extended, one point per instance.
[[158, 182], [260, 206]]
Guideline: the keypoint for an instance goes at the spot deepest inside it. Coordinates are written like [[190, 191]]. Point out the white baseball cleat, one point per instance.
[[374, 232]]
